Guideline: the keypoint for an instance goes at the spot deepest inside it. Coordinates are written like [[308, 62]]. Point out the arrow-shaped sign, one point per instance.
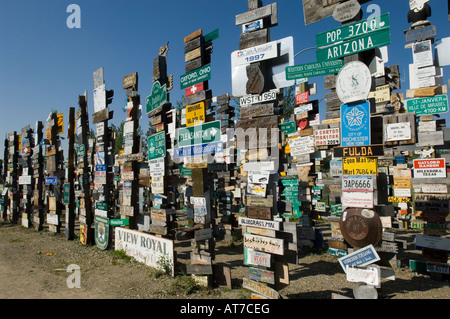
[[199, 134]]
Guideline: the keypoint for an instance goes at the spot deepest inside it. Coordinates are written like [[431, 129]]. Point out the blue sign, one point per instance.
[[51, 181], [360, 258], [200, 149], [355, 124], [100, 168]]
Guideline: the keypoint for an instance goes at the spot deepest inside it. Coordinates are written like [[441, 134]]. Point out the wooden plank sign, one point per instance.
[[264, 244]]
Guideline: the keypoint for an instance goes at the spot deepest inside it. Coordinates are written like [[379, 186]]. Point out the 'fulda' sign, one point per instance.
[[359, 151]]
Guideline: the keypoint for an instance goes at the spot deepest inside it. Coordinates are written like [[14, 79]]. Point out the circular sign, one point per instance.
[[363, 291], [353, 82], [361, 227], [346, 11]]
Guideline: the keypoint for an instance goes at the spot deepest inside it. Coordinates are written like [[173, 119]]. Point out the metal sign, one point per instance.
[[254, 54], [359, 166], [360, 258], [199, 75], [429, 105], [357, 183], [199, 134], [276, 68], [353, 82], [430, 168], [355, 45], [157, 98], [359, 29], [355, 124], [157, 145], [361, 226], [195, 114], [359, 151], [101, 232], [198, 149], [313, 69]]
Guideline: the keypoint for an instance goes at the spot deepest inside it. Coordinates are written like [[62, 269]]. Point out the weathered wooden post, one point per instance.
[[131, 155], [196, 141], [69, 187], [269, 244], [13, 145], [84, 194], [38, 177], [25, 180], [427, 98], [103, 161], [158, 107]]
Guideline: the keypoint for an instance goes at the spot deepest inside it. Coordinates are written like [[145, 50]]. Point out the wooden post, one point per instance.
[[38, 166], [70, 207]]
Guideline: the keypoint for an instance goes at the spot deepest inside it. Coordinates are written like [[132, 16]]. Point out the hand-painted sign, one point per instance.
[[330, 136], [359, 166], [146, 248], [195, 114], [264, 244], [355, 124]]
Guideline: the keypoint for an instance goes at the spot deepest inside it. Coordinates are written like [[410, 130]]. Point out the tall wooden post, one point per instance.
[[38, 177], [25, 180], [69, 190]]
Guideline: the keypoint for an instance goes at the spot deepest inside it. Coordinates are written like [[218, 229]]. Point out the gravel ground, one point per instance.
[[33, 265]]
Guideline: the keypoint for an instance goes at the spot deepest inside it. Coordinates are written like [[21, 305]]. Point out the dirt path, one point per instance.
[[34, 265]]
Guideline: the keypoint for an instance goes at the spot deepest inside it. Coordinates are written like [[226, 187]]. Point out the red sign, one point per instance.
[[193, 89], [429, 163], [302, 98]]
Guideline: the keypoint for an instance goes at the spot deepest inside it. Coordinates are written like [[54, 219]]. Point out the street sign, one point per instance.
[[119, 222], [51, 181], [199, 134], [157, 145], [353, 30], [429, 105], [195, 114], [198, 149], [199, 75], [355, 124], [288, 127], [355, 45], [157, 98], [313, 69]]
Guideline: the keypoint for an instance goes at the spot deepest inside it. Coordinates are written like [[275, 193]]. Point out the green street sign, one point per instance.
[[66, 193], [288, 127], [157, 145], [199, 134], [199, 75], [81, 150], [211, 36], [119, 222], [101, 205], [313, 69], [353, 30], [157, 98], [366, 42], [185, 171], [289, 182], [428, 105]]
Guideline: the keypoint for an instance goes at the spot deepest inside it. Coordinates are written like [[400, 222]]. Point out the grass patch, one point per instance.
[[119, 255]]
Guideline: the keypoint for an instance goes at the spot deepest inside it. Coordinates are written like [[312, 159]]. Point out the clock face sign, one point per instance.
[[353, 82]]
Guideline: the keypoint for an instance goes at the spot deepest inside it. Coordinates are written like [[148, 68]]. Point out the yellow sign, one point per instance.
[[60, 121], [195, 114], [381, 94], [359, 166], [392, 199]]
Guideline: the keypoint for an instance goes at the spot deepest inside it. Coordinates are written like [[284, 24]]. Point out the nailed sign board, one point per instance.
[[254, 54], [157, 98], [330, 136], [252, 99], [360, 258], [276, 68], [357, 199], [264, 244], [353, 82], [199, 75], [195, 114], [199, 134], [429, 105], [355, 124], [198, 149], [359, 166], [257, 258], [423, 241], [397, 131], [357, 183], [355, 30], [146, 248], [430, 168], [313, 69], [157, 145], [359, 151], [259, 223]]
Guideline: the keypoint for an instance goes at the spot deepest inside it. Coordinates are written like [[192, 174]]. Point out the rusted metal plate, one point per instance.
[[361, 227]]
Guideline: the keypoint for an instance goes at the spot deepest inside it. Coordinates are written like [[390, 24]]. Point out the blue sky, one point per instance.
[[44, 65]]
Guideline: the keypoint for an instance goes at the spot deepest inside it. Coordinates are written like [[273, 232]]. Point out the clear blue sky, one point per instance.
[[44, 65]]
